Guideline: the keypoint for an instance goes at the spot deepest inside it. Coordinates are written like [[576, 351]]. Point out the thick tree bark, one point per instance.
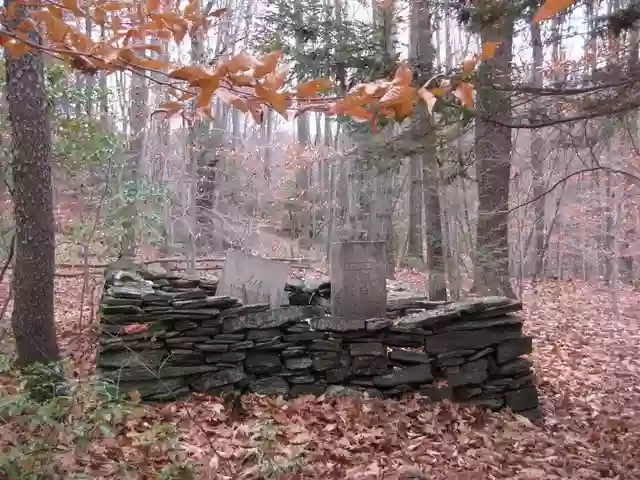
[[33, 312], [493, 161]]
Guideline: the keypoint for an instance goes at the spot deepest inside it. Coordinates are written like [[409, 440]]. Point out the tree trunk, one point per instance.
[[537, 157], [493, 161], [33, 282]]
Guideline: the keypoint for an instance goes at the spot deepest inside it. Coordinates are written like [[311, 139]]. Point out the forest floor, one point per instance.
[[588, 369]]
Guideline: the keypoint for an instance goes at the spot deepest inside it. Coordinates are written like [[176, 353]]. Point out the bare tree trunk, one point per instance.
[[493, 160], [33, 281], [537, 158]]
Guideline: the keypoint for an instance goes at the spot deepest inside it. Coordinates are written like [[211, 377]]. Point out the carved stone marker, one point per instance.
[[253, 279], [358, 280]]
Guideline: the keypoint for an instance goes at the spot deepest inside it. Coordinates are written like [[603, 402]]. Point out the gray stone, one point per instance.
[[276, 317], [532, 414], [486, 400], [337, 375], [451, 362], [253, 279], [368, 349], [190, 304], [269, 386], [211, 347], [120, 309], [436, 393], [523, 399], [118, 302], [341, 391], [185, 325], [211, 323], [325, 345], [455, 353], [264, 334], [513, 368], [273, 345], [296, 379], [229, 338], [294, 352], [154, 310], [465, 393], [304, 336], [128, 358], [241, 345], [481, 353], [409, 356], [190, 295], [185, 357], [218, 379], [470, 339], [358, 280], [244, 309], [521, 382], [377, 324], [166, 371], [410, 375], [174, 342], [470, 373], [203, 331], [373, 393], [298, 363], [222, 301], [184, 283], [369, 366], [299, 328], [126, 292], [335, 324], [323, 361], [263, 363], [316, 389], [491, 322], [362, 382], [228, 357], [511, 349], [408, 340], [397, 390], [201, 313]]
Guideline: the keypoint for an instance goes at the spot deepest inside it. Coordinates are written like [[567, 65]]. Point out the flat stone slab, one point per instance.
[[471, 339]]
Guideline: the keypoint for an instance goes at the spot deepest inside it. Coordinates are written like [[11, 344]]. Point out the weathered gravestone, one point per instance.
[[253, 279], [358, 280]]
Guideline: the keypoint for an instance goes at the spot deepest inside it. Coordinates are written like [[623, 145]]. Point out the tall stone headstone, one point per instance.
[[358, 279], [253, 279]]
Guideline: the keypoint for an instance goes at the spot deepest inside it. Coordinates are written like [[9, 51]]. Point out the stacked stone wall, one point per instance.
[[167, 336]]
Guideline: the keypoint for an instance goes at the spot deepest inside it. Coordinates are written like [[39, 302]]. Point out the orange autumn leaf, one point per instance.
[[403, 76], [489, 50], [469, 64], [313, 87], [277, 100], [464, 92], [187, 73], [550, 8], [267, 63]]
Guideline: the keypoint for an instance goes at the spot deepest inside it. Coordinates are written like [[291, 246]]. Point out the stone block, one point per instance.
[[410, 375], [511, 349]]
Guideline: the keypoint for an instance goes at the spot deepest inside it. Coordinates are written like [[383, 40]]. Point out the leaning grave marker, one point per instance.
[[253, 279], [358, 279]]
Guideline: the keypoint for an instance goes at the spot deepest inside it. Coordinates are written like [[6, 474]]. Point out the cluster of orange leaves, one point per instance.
[[242, 81]]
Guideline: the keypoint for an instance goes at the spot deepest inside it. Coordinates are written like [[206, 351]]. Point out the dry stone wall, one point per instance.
[[166, 336]]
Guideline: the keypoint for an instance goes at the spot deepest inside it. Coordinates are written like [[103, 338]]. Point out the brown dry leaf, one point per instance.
[[16, 48], [267, 63], [188, 73], [277, 100], [429, 98], [469, 64], [396, 95], [275, 80], [239, 63], [464, 92], [403, 76], [313, 87]]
